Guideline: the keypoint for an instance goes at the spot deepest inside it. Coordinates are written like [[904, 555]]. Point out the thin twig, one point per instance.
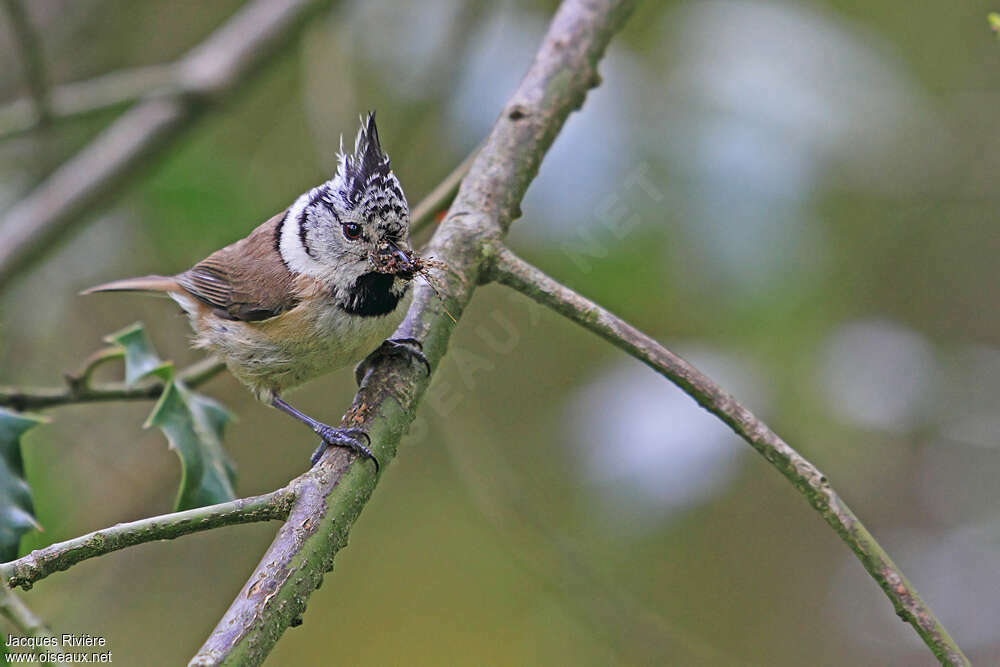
[[330, 497], [81, 376], [32, 57], [37, 565], [333, 493], [79, 98], [512, 271], [206, 75], [438, 199], [27, 623], [39, 398]]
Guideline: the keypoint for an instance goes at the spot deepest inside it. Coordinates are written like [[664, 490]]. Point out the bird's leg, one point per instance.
[[393, 347], [351, 438]]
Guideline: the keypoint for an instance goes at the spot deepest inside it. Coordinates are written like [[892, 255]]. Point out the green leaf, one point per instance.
[[192, 423], [141, 360], [16, 508], [3, 649]]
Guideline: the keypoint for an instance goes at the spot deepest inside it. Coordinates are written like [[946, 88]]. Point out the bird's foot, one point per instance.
[[393, 347], [353, 439]]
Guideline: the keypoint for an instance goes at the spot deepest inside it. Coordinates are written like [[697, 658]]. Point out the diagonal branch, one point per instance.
[[206, 75], [37, 565], [328, 499], [512, 271], [334, 492], [79, 98]]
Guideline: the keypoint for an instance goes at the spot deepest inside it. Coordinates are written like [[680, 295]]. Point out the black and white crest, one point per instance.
[[337, 230], [365, 181]]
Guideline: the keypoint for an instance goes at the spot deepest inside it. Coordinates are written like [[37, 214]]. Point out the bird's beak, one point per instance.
[[393, 259], [405, 264]]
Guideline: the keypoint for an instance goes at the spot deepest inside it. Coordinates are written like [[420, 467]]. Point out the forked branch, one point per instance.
[[323, 503], [334, 492], [79, 389], [508, 269]]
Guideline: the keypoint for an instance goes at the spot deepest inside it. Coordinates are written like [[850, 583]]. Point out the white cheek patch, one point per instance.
[[291, 243]]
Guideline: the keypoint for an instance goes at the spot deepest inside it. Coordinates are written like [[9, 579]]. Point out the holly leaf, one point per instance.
[[141, 360], [16, 509], [192, 423]]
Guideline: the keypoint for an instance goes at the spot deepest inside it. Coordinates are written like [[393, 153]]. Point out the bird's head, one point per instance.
[[352, 231]]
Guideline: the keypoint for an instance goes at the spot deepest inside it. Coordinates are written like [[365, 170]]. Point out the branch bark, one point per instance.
[[206, 75], [510, 270], [38, 564], [322, 504], [334, 492], [79, 390]]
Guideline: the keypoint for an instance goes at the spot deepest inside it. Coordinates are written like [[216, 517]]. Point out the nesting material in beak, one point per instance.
[[390, 258]]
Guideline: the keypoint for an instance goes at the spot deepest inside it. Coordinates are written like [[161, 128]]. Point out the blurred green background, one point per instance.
[[798, 197]]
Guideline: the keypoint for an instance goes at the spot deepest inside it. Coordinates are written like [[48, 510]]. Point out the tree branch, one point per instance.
[[206, 75], [71, 100], [322, 504], [79, 390], [327, 499], [332, 494], [33, 59], [37, 565], [512, 271]]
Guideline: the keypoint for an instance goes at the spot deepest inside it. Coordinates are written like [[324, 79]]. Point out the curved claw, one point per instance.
[[393, 347], [409, 344], [349, 438]]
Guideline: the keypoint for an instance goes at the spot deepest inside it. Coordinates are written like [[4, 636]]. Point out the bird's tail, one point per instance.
[[143, 284]]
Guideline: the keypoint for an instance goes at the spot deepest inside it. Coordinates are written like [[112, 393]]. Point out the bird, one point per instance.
[[313, 289]]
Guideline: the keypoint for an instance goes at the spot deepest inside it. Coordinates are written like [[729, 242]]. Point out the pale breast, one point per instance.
[[272, 355]]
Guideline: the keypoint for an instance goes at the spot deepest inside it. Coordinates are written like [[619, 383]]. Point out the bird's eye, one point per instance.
[[352, 230]]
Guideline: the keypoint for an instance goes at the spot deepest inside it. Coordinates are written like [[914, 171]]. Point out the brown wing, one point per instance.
[[247, 280]]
